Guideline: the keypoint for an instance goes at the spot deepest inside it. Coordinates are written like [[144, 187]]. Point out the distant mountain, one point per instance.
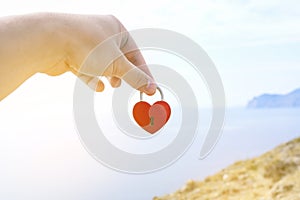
[[289, 100]]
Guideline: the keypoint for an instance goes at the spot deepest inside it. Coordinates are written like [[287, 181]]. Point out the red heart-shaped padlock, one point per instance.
[[152, 118]]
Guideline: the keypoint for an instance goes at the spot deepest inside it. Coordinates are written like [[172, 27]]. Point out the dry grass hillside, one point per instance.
[[272, 176]]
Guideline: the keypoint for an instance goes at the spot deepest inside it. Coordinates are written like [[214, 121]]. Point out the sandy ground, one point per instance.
[[272, 176]]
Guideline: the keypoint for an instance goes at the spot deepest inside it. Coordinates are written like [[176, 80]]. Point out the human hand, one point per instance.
[[90, 54], [55, 43]]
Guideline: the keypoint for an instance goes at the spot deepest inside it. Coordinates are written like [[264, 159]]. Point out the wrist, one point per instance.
[[30, 42]]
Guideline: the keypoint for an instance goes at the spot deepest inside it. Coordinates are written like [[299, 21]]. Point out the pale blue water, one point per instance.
[[247, 133], [48, 161]]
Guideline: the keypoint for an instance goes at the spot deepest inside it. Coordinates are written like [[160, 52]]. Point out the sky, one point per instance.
[[254, 44]]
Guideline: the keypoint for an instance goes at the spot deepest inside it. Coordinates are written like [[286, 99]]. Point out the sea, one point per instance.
[[42, 156]]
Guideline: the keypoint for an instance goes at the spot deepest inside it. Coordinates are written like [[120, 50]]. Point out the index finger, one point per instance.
[[132, 52]]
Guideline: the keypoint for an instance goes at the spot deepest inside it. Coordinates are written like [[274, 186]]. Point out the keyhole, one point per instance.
[[151, 121]]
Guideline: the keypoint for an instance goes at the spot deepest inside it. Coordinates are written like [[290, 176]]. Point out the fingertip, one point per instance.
[[150, 89], [115, 82], [100, 86]]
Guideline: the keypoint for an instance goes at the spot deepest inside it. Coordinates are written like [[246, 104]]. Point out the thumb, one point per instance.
[[135, 77]]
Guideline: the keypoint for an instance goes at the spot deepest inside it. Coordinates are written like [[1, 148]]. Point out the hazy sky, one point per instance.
[[254, 44]]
